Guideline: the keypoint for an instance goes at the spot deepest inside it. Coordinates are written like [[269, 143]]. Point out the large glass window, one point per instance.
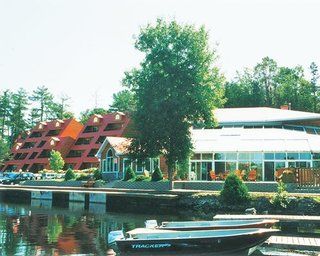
[[292, 156], [220, 168], [219, 156], [126, 164], [110, 162], [280, 156], [306, 156], [206, 167], [206, 156], [269, 156], [195, 173]]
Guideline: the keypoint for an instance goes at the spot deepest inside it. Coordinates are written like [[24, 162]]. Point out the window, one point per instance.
[[269, 156], [41, 144], [92, 152], [140, 166], [111, 162], [126, 164], [219, 156], [33, 155], [75, 153], [44, 154], [83, 141], [113, 126], [292, 156], [36, 135], [20, 156], [53, 133], [306, 156], [100, 140], [231, 156], [316, 156], [91, 128], [280, 156], [206, 156], [25, 167], [28, 145], [196, 157]]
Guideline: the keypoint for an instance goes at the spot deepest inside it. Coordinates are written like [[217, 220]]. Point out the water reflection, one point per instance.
[[41, 229]]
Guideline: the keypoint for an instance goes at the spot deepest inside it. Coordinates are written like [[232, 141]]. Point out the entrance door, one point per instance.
[[269, 171], [206, 167], [195, 171]]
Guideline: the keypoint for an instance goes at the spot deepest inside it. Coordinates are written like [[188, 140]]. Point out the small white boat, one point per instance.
[[210, 225], [216, 242]]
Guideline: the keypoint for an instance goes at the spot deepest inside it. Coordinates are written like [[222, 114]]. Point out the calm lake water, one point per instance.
[[40, 229]]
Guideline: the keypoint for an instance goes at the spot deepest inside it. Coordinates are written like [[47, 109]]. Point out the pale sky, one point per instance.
[[83, 47]]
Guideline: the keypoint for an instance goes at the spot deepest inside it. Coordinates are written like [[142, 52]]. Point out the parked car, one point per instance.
[[16, 178], [48, 176]]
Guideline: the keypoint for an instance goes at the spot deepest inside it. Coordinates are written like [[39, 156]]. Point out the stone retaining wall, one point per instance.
[[159, 186], [218, 185]]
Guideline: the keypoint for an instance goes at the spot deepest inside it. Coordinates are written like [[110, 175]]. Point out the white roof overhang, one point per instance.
[[254, 140]]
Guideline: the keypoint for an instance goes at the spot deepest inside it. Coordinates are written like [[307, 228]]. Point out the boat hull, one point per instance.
[[215, 246]]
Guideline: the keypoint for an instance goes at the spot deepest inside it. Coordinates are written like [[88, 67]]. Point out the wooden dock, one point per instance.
[[281, 218], [294, 243], [107, 191]]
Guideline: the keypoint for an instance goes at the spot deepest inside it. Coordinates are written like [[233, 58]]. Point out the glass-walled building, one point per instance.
[[256, 142]]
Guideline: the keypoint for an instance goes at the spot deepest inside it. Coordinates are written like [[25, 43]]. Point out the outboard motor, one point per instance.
[[115, 235], [151, 223]]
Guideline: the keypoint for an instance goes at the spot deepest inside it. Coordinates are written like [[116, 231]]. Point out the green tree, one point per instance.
[[18, 111], [265, 73], [129, 174], [5, 100], [157, 174], [314, 83], [123, 101], [281, 198], [56, 161], [43, 98], [60, 109], [175, 87], [85, 115], [4, 152], [234, 191]]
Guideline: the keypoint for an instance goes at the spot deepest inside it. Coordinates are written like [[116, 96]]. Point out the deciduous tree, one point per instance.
[[56, 161], [123, 101], [175, 86]]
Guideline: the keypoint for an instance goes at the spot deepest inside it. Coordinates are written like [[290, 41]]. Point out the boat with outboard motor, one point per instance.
[[210, 225], [145, 241]]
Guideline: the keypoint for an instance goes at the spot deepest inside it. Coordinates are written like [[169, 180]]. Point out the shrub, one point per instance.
[[56, 160], [288, 176], [97, 175], [129, 175], [142, 178], [83, 177], [234, 191], [157, 174], [281, 198], [70, 175]]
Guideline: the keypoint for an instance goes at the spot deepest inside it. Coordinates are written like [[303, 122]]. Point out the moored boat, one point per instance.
[[211, 225], [146, 241]]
